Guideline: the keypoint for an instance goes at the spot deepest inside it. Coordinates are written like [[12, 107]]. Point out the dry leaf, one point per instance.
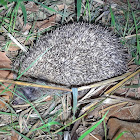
[[27, 27], [31, 6], [6, 74], [60, 7], [21, 22], [93, 137], [13, 47], [45, 23], [2, 38], [117, 126], [14, 136], [12, 50], [132, 68], [49, 98]]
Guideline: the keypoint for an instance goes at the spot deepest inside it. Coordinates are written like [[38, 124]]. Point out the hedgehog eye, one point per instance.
[[31, 89]]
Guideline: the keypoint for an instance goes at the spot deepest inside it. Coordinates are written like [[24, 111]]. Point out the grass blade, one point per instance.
[[137, 60], [78, 9], [47, 125], [92, 128], [51, 9], [5, 113], [121, 134], [112, 18], [89, 10], [3, 3], [75, 95], [20, 134], [24, 12]]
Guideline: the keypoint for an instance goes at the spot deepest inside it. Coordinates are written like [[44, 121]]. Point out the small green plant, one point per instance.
[[92, 128], [124, 132], [130, 25], [20, 3]]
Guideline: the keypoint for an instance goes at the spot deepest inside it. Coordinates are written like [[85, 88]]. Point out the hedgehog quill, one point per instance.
[[78, 54]]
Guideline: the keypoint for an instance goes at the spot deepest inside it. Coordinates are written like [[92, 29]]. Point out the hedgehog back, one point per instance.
[[78, 54]]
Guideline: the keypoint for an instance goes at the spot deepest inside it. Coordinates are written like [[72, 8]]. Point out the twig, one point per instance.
[[33, 85], [122, 82], [38, 122], [99, 1], [136, 101], [22, 47], [104, 13], [105, 82], [91, 93], [129, 36], [66, 89], [102, 111]]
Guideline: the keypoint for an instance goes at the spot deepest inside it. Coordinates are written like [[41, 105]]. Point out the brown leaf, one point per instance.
[[48, 98], [45, 23], [27, 27], [120, 112], [93, 137], [14, 136], [132, 68], [4, 61], [12, 50], [21, 22], [117, 126], [60, 7], [6, 74], [13, 47], [2, 38], [31, 6]]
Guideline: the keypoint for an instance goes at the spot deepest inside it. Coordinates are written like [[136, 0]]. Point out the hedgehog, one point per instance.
[[74, 55]]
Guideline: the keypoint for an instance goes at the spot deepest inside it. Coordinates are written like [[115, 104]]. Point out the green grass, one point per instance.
[[92, 128], [124, 23], [130, 25]]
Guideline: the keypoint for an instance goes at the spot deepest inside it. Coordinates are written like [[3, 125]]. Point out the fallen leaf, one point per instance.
[[13, 47], [27, 27], [93, 137], [45, 23], [132, 68], [14, 136], [117, 126], [60, 7], [2, 38], [31, 6], [5, 74], [120, 112], [48, 98], [21, 21]]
